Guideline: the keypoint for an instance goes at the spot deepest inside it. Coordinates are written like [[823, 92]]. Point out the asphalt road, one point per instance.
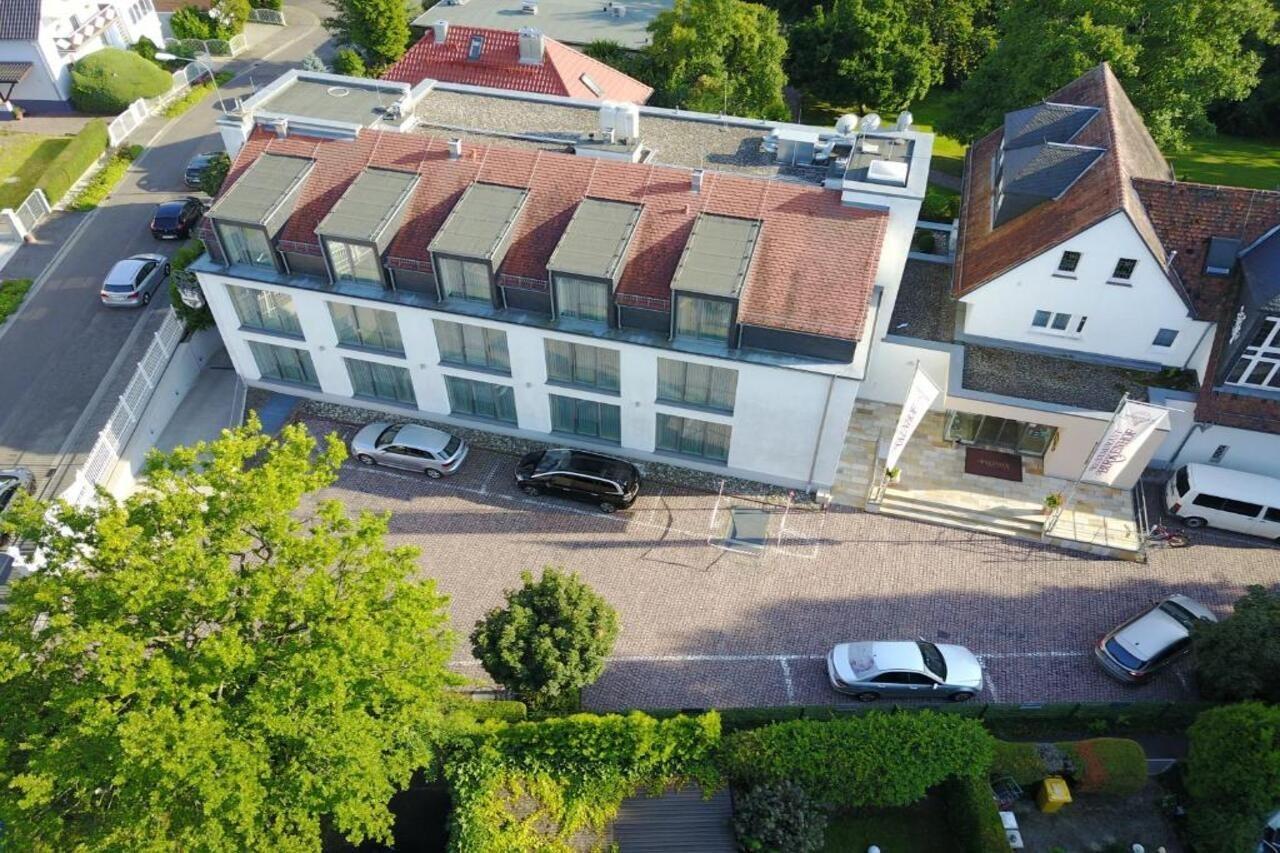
[[61, 347]]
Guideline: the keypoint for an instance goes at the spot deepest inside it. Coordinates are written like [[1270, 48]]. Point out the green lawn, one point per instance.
[[1231, 160], [11, 294], [23, 159], [919, 828], [948, 152]]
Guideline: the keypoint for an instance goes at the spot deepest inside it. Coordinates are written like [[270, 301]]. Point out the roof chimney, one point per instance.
[[532, 46], [441, 30], [280, 127], [696, 180], [455, 148]]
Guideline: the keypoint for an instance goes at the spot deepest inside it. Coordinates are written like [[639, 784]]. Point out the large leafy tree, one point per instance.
[[719, 56], [1175, 58], [963, 30], [1239, 657], [378, 29], [216, 663], [1233, 776], [549, 641], [869, 53]]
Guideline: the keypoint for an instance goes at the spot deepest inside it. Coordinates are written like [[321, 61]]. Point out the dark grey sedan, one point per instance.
[[133, 281]]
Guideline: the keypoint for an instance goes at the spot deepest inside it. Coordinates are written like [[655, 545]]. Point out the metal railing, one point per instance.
[[115, 434], [653, 303], [521, 282], [267, 16], [143, 108]]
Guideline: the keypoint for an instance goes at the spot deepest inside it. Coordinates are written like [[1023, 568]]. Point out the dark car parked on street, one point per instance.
[[174, 220], [609, 483], [196, 167]]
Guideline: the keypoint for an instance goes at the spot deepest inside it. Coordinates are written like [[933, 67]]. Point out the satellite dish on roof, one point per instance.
[[847, 124], [904, 121], [870, 122]]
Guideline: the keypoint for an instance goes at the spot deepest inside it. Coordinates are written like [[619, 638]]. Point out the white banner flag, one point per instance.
[[920, 397], [1131, 430]]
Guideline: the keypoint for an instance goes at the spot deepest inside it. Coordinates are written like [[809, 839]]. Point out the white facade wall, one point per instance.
[[42, 81], [1245, 450], [1122, 320], [788, 424]]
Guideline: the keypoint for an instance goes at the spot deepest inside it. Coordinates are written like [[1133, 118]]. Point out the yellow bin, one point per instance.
[[1053, 794]]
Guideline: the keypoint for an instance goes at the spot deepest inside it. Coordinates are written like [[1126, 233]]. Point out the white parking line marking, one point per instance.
[[781, 658], [786, 680], [990, 684]]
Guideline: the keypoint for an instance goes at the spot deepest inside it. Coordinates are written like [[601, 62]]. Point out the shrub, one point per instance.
[[101, 184], [215, 173], [146, 48], [923, 241], [1232, 776], [347, 62], [778, 817], [532, 786], [275, 5], [1019, 761], [940, 205], [81, 153], [550, 640], [108, 80], [1107, 765], [973, 815], [1239, 658], [191, 22], [194, 318], [232, 15], [312, 62], [872, 760]]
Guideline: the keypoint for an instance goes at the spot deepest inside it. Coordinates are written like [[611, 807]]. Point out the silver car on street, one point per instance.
[[1153, 639], [409, 446], [132, 282], [904, 669]]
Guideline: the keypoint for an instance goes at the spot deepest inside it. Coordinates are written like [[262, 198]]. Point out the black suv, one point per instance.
[[175, 219], [608, 483]]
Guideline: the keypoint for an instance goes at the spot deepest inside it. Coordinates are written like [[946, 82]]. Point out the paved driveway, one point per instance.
[[704, 626]]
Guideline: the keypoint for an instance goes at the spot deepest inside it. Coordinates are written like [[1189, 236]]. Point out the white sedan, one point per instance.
[[918, 669]]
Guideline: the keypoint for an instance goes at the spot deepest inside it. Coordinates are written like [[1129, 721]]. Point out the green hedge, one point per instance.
[[1232, 776], [1114, 766], [74, 160], [974, 816], [108, 80], [193, 318], [537, 785], [100, 186], [1019, 761], [872, 760]]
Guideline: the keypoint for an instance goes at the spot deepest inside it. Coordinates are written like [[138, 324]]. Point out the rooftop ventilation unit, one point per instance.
[[696, 180], [441, 31], [847, 124], [529, 7], [626, 121], [904, 121], [455, 148], [532, 45], [617, 10], [887, 172], [870, 123], [608, 115]]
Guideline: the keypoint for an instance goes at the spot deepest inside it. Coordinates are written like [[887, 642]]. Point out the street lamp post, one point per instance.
[[173, 57]]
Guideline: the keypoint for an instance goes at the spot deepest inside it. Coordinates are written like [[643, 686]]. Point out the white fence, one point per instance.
[[267, 16], [16, 224], [143, 108], [111, 441]]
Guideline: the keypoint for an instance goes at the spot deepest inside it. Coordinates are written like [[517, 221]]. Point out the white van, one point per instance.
[[1206, 495]]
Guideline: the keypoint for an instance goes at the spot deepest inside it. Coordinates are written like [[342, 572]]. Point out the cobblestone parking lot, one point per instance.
[[704, 626]]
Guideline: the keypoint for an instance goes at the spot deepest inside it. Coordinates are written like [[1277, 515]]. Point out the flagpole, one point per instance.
[[1071, 493]]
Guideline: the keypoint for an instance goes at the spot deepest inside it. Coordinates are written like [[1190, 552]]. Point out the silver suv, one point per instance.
[[411, 447], [1153, 639]]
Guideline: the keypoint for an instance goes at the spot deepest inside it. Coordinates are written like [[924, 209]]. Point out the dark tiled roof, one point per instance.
[[1104, 189], [1048, 170], [499, 67], [795, 282], [1261, 267], [19, 19], [1045, 122]]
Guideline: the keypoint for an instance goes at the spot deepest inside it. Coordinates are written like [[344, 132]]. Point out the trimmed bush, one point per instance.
[[274, 5], [1232, 776], [74, 160], [778, 818], [108, 80], [974, 816], [1019, 761], [191, 22], [940, 205], [194, 318], [349, 63], [873, 760], [1107, 765]]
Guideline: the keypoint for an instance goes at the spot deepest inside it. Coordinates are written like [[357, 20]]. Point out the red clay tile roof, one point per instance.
[[1186, 216], [499, 67], [1104, 189], [796, 282]]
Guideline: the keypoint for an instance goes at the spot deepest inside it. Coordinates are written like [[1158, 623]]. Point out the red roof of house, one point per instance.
[[796, 281], [498, 67]]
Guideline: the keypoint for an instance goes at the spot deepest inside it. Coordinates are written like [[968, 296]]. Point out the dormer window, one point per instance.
[[1068, 262], [582, 298], [589, 258], [461, 279], [1220, 260], [710, 276], [703, 319], [250, 215], [354, 262], [472, 243], [361, 224]]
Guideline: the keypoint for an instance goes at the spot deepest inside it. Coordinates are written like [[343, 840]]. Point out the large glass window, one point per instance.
[[583, 298], [369, 328], [354, 262], [464, 279], [703, 318], [999, 433], [246, 245], [689, 437], [481, 399], [697, 384], [380, 381], [286, 364], [1259, 365], [579, 364], [472, 346], [265, 310], [586, 417]]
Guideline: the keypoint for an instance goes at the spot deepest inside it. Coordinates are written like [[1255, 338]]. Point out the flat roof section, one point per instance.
[[368, 206], [717, 255], [571, 21], [265, 185], [595, 243], [348, 102], [480, 222]]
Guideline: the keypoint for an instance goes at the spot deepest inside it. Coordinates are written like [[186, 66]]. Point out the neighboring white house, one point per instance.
[[672, 286], [41, 39]]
